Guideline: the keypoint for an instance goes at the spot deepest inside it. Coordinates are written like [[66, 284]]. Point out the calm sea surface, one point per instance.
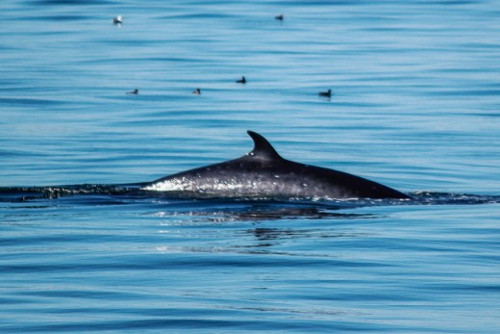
[[415, 106]]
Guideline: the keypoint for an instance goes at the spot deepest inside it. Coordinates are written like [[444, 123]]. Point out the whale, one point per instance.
[[263, 174]]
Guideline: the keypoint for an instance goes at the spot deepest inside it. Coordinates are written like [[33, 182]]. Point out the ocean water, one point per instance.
[[415, 106]]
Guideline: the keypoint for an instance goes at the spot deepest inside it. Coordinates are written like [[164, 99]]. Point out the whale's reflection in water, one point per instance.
[[255, 228], [277, 212], [255, 211]]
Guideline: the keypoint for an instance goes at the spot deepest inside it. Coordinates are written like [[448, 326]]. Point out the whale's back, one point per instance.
[[263, 173]]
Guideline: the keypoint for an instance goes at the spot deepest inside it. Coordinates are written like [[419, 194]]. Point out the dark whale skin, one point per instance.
[[263, 173]]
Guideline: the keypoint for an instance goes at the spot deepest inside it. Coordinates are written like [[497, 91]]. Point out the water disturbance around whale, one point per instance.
[[263, 173]]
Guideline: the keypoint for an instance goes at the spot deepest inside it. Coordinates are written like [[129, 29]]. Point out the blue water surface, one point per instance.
[[415, 106]]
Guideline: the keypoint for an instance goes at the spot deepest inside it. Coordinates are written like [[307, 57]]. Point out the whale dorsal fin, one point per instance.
[[262, 148]]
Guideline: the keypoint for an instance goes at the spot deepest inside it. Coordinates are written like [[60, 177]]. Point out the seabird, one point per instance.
[[326, 94], [242, 80]]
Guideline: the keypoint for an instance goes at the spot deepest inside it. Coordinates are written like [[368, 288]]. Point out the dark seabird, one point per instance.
[[134, 92], [117, 20], [279, 17], [197, 91], [326, 94], [242, 80]]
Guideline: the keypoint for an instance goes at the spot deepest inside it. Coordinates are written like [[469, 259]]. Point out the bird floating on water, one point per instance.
[[197, 91], [328, 93], [134, 92], [242, 80], [279, 17], [117, 20]]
